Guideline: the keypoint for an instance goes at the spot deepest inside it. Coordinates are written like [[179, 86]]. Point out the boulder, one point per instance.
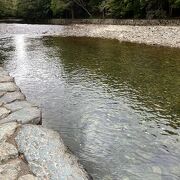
[[46, 154]]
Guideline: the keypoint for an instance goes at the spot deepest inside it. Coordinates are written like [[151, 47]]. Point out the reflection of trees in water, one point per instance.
[[149, 75], [5, 48]]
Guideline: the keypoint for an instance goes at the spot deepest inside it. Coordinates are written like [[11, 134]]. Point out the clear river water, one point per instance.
[[116, 105]]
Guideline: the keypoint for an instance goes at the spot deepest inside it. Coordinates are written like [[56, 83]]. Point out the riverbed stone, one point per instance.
[[8, 87], [11, 97], [5, 78], [6, 130], [10, 170], [46, 154], [31, 115], [4, 112], [7, 151], [17, 105]]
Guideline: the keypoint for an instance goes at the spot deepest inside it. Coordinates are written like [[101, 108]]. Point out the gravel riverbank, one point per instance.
[[151, 35]]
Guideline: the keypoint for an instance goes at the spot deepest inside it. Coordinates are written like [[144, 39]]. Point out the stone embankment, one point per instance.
[[130, 22], [29, 151]]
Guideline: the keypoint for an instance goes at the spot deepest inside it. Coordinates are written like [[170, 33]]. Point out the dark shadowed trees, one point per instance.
[[8, 8], [31, 9]]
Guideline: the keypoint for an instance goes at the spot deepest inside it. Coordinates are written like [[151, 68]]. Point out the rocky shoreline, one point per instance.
[[151, 35], [29, 151]]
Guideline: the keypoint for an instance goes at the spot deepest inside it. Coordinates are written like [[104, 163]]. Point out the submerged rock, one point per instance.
[[46, 154]]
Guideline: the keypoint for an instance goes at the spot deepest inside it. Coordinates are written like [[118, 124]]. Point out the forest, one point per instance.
[[137, 9]]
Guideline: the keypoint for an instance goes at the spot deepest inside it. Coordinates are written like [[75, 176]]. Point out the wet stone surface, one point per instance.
[[47, 155]]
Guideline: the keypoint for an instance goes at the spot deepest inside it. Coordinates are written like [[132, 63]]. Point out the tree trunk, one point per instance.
[[83, 7], [103, 14], [170, 11], [72, 12]]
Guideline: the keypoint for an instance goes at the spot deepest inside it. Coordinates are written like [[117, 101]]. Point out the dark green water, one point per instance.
[[116, 105]]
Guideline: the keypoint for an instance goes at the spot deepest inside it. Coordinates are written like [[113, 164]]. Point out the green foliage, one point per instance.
[[8, 8], [59, 6], [175, 3], [90, 8], [32, 9]]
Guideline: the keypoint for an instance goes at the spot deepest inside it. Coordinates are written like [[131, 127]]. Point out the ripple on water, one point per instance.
[[115, 104]]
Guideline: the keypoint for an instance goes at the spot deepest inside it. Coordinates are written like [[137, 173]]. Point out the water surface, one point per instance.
[[116, 105]]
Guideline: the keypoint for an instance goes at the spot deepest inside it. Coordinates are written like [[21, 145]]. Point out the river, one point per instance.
[[116, 105]]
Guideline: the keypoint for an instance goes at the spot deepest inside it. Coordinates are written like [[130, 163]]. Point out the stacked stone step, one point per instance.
[[12, 164], [29, 151]]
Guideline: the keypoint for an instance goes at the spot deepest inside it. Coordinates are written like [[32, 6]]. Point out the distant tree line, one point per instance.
[[32, 9]]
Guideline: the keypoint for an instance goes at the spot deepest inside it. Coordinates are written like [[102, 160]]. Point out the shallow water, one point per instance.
[[116, 105]]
